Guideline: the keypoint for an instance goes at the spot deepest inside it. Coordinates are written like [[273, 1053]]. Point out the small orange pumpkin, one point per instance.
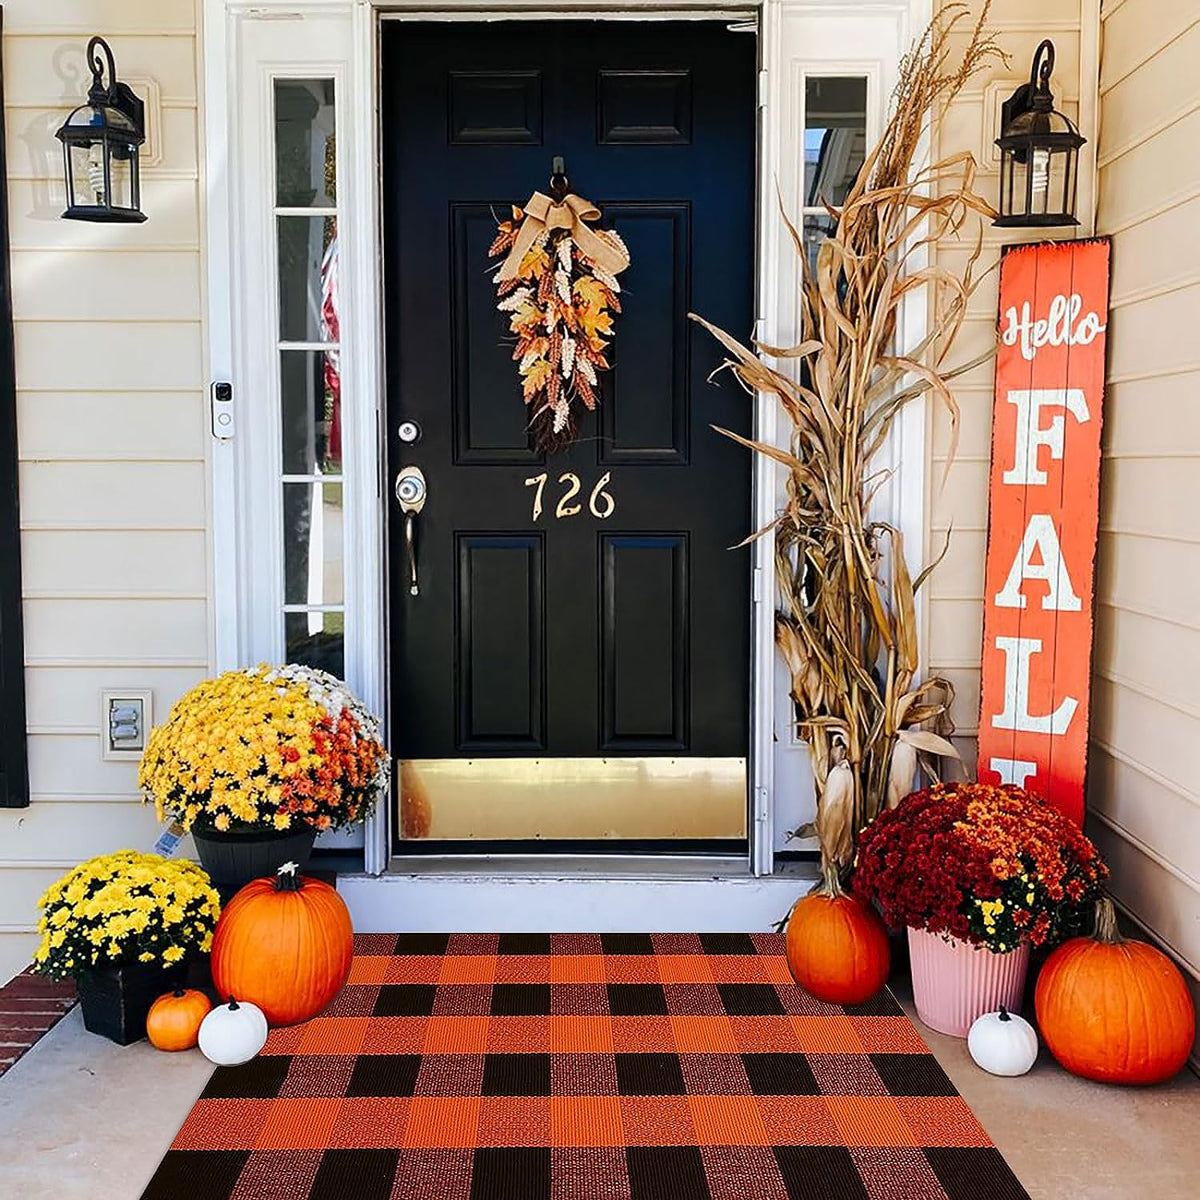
[[284, 944], [837, 947], [173, 1022], [1113, 1010]]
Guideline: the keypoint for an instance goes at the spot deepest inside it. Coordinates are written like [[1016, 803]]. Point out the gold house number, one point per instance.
[[600, 503]]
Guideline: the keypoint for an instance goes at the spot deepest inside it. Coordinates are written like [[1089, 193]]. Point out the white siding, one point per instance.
[[1144, 788], [110, 411]]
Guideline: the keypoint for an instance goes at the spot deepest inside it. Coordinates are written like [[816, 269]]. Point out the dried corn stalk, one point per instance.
[[847, 626]]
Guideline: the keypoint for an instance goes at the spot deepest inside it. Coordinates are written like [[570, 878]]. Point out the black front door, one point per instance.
[[577, 618]]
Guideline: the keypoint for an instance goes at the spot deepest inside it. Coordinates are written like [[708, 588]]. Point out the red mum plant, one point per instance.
[[991, 865]]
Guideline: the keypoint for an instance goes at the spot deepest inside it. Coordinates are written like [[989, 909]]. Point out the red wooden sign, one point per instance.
[[1045, 478]]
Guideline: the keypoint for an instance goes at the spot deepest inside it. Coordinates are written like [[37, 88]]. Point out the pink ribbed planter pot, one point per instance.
[[955, 981]]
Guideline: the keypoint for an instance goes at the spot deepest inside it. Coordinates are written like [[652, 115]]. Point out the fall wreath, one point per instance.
[[558, 284]]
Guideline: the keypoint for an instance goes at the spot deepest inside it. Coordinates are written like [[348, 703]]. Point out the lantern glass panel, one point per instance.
[[100, 178], [1015, 182], [1051, 194]]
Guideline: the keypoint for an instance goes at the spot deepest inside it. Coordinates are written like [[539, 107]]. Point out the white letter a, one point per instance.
[[1041, 535]]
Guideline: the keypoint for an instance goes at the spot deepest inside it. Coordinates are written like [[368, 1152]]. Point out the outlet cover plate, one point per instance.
[[141, 700]]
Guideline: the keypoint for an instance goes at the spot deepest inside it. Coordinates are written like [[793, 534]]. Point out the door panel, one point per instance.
[[644, 642], [501, 642], [487, 430], [583, 607], [644, 408]]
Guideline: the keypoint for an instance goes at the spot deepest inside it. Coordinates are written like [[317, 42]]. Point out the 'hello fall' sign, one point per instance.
[[1037, 627]]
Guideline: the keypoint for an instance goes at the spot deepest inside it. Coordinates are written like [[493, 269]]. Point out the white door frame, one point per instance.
[[246, 43]]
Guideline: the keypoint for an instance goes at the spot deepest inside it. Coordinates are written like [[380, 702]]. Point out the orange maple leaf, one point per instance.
[[535, 263], [591, 292], [536, 378], [594, 323]]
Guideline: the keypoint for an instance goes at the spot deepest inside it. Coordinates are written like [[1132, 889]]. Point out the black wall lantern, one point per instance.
[[1039, 153], [100, 146]]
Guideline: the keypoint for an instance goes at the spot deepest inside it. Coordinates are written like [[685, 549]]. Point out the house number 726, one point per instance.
[[600, 502]]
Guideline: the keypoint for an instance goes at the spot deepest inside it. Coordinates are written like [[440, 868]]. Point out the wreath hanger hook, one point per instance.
[[560, 185]]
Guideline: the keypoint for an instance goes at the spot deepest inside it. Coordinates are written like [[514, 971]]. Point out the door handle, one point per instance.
[[411, 493]]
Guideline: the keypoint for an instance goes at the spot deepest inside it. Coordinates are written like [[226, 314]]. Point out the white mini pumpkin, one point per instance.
[[1002, 1043], [233, 1033]]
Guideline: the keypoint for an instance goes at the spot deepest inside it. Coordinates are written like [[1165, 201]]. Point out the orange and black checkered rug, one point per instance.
[[584, 1067]]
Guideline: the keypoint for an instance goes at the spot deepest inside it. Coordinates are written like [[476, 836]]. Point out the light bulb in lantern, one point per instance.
[[1040, 169], [95, 171]]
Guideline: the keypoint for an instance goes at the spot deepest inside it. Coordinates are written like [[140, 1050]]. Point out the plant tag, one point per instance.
[[169, 839]]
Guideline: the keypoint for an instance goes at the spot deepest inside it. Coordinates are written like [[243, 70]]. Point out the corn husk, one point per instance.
[[835, 817], [901, 771]]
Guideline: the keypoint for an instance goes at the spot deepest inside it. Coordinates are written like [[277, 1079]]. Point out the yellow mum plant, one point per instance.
[[280, 747], [125, 908]]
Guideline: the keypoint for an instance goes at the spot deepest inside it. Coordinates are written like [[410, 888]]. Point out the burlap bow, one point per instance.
[[543, 214]]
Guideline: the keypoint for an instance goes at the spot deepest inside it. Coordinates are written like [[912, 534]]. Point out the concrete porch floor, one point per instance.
[[83, 1118]]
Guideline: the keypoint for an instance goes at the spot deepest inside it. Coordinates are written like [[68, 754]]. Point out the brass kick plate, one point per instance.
[[620, 798]]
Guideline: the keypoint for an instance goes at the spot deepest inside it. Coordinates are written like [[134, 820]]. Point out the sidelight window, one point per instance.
[[310, 380], [835, 140]]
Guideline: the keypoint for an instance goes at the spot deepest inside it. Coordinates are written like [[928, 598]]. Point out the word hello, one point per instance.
[[1062, 326]]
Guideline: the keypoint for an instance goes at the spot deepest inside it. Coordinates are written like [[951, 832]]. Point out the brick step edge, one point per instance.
[[30, 1006]]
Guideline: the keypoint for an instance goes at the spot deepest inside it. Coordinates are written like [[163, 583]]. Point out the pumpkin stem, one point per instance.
[[1004, 1014], [831, 883], [287, 878], [233, 1005], [177, 993], [1106, 932]]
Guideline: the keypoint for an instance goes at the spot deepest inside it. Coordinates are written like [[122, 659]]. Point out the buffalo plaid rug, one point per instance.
[[584, 1067]]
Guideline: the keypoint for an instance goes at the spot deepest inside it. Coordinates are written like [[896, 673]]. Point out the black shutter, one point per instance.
[[14, 771]]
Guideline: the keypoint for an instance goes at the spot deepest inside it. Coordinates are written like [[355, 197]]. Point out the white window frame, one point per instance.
[[249, 42]]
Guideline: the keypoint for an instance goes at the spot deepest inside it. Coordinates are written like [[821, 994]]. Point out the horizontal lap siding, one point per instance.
[[112, 442], [1144, 789], [957, 499]]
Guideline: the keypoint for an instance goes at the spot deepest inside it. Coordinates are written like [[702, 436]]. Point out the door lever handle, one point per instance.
[[410, 544], [411, 493]]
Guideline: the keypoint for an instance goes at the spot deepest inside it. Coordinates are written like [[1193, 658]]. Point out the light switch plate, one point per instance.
[[126, 718]]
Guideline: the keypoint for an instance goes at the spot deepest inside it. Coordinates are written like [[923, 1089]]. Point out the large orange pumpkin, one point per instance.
[[1113, 1010], [284, 944], [837, 948], [173, 1022]]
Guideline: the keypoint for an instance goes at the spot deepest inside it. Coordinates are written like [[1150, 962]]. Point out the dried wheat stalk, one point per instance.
[[847, 626]]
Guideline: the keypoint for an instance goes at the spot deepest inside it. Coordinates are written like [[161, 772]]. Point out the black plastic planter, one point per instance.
[[115, 1000], [234, 858]]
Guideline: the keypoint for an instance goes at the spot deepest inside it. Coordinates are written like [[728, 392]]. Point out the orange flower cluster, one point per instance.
[[1019, 836]]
